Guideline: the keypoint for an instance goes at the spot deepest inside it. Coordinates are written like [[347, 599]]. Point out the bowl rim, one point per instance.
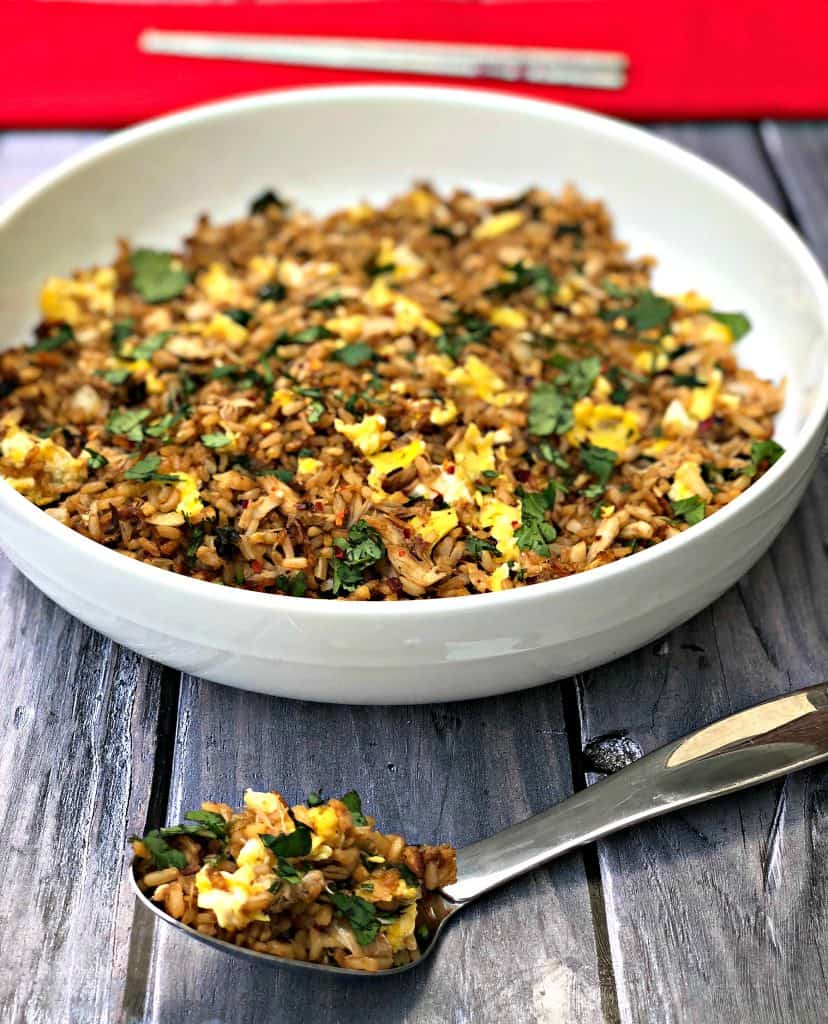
[[611, 128]]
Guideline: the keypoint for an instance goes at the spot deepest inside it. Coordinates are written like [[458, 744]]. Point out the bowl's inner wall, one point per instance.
[[330, 151]]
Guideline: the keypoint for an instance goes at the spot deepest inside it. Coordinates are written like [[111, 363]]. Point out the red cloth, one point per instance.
[[77, 64]]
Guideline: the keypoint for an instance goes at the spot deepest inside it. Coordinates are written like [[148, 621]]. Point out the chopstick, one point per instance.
[[593, 69]]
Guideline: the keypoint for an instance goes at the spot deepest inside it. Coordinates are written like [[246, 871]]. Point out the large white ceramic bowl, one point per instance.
[[332, 147]]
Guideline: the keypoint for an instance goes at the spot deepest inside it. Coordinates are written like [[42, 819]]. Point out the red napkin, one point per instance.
[[77, 64]]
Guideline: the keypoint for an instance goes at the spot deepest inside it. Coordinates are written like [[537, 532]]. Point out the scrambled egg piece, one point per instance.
[[703, 328], [307, 466], [219, 286], [227, 898], [651, 360], [443, 414], [499, 224], [703, 400], [656, 448], [189, 503], [676, 422], [387, 462], [505, 316], [408, 314], [60, 471], [263, 268], [226, 329], [347, 327], [61, 298], [435, 526], [605, 426], [407, 264], [400, 929], [452, 488], [692, 302], [474, 455], [499, 577], [368, 434], [688, 483], [263, 803], [501, 520], [601, 388], [477, 378]]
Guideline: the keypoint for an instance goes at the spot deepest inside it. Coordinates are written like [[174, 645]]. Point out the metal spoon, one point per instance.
[[742, 750]]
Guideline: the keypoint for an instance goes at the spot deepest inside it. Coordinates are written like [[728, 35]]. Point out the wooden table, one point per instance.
[[719, 913]]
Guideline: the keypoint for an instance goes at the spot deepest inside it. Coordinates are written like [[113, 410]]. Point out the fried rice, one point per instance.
[[312, 882], [443, 396]]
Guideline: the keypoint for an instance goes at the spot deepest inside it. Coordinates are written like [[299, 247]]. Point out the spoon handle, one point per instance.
[[742, 750]]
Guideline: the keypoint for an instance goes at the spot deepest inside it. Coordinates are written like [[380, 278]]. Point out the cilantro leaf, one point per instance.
[[326, 301], [362, 548], [157, 276], [477, 545], [315, 799], [96, 460], [195, 542], [62, 336], [763, 451], [121, 330], [206, 824], [128, 424], [266, 199], [525, 275], [116, 377], [354, 804], [216, 440], [598, 461], [737, 322], [650, 311], [287, 871], [467, 329], [163, 855], [145, 470], [577, 375], [535, 533], [311, 334], [550, 411], [360, 914], [295, 586], [272, 292], [151, 344], [355, 354], [691, 510], [294, 844]]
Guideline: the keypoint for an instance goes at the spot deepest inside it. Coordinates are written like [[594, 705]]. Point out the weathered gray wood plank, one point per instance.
[[721, 912], [78, 732], [453, 772]]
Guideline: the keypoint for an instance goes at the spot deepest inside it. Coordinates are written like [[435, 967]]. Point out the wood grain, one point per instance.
[[721, 912], [78, 726], [452, 772]]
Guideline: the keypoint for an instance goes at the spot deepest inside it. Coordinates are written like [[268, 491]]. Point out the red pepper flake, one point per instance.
[[257, 565], [401, 552], [706, 425], [339, 553], [515, 524], [450, 469], [339, 518], [318, 506]]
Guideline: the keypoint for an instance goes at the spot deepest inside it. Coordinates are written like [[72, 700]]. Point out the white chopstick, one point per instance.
[[594, 69]]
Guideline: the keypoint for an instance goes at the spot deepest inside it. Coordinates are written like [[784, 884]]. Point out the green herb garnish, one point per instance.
[[146, 469], [737, 322], [355, 354], [155, 341], [294, 844], [354, 804], [361, 548], [525, 276], [116, 377], [96, 460], [311, 334], [477, 545], [550, 411], [360, 914], [266, 199], [600, 462], [326, 301], [216, 440], [163, 855], [315, 799], [272, 292], [763, 451], [128, 424], [535, 533], [62, 336], [691, 510], [157, 276]]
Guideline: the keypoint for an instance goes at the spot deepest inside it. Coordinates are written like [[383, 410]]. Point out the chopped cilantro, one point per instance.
[[373, 269], [535, 533], [216, 440], [294, 844], [287, 871], [227, 541], [195, 542], [116, 377], [316, 411], [577, 375], [272, 292], [688, 380], [691, 510], [525, 276], [354, 804], [311, 334], [128, 424], [598, 461], [361, 915], [477, 545], [763, 451], [285, 475], [294, 586], [239, 316], [146, 469], [163, 855], [161, 427], [550, 454], [315, 799], [151, 344], [737, 322], [593, 491], [157, 276], [62, 336], [266, 199], [96, 460], [326, 301], [550, 411], [361, 548], [121, 330], [467, 329], [649, 311], [355, 354], [206, 824]]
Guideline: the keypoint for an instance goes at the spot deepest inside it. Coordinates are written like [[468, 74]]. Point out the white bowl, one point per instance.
[[331, 147]]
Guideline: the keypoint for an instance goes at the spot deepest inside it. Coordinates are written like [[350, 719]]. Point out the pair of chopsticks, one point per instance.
[[592, 69]]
